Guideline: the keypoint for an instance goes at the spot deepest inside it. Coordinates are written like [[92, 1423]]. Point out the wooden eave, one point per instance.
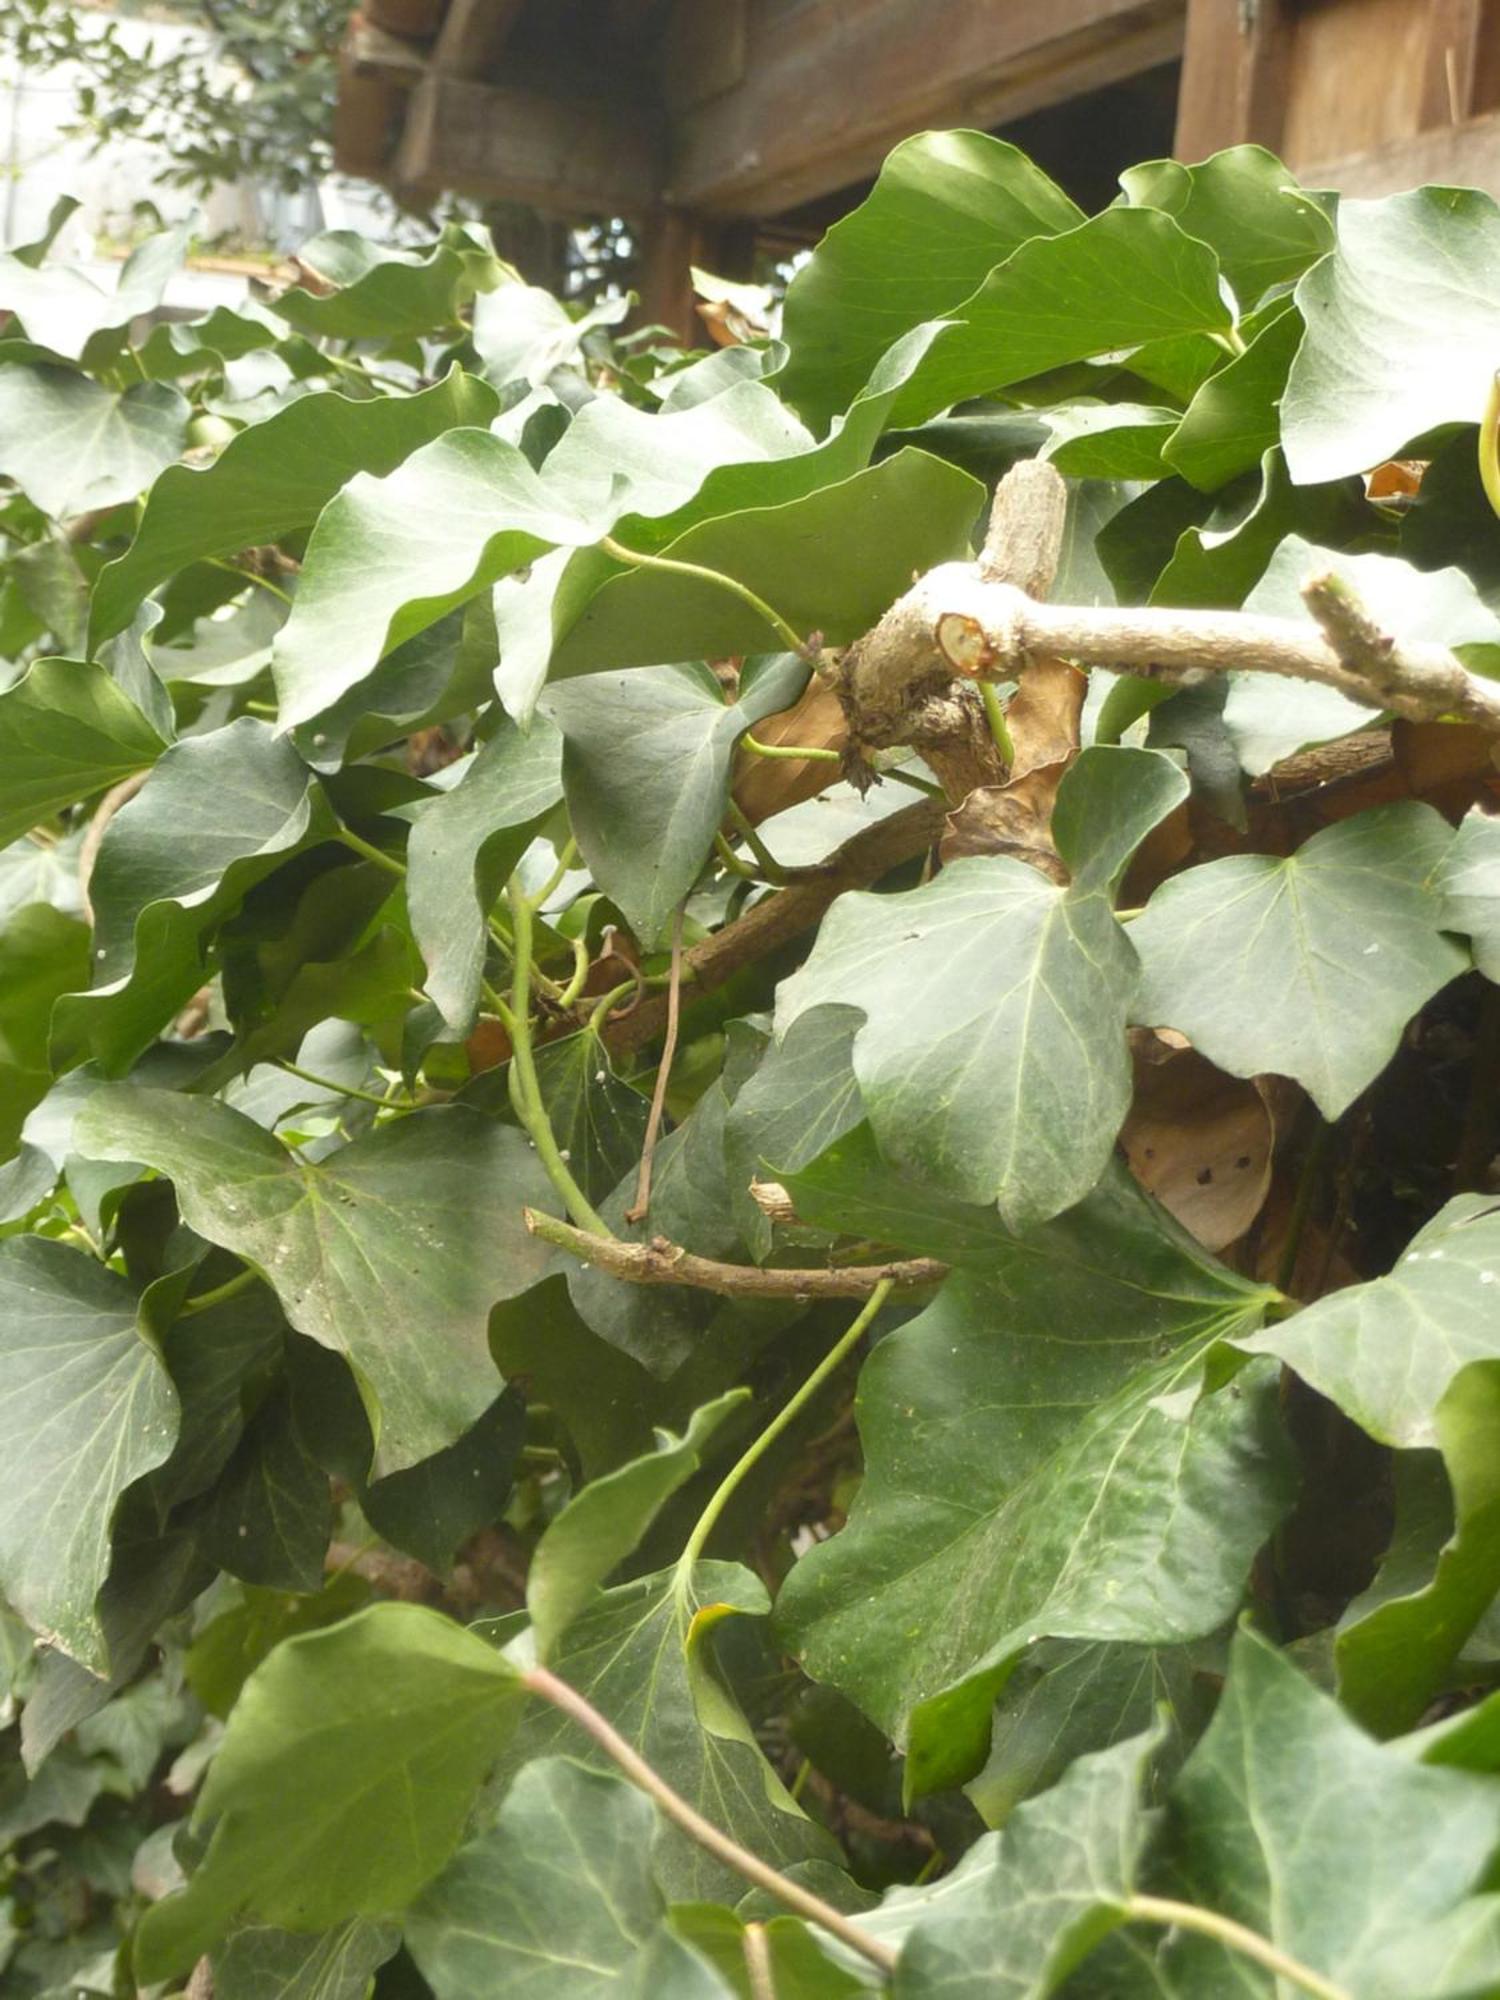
[[739, 108]]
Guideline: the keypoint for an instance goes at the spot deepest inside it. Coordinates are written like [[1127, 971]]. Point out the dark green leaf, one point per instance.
[[946, 209], [415, 1226], [1121, 1500], [258, 1963], [800, 1100], [87, 1408], [462, 849], [274, 477], [1232, 421], [646, 765], [602, 1525], [270, 1515], [66, 731], [217, 814], [1247, 206]]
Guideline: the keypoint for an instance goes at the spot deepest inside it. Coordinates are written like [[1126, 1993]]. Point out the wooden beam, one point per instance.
[[1234, 76], [1466, 155], [828, 90], [416, 19], [473, 34], [564, 155]]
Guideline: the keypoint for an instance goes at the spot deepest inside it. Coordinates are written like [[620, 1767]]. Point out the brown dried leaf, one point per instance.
[[766, 785], [1201, 1142]]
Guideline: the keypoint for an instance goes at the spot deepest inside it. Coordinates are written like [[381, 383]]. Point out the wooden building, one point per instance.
[[717, 125]]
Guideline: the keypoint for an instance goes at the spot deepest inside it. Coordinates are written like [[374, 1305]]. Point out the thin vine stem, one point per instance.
[[789, 637], [994, 710], [334, 1089], [371, 852], [774, 872], [795, 752], [525, 1089], [545, 1684], [637, 1209], [787, 1414], [230, 1289], [1237, 1937], [251, 576], [567, 854]]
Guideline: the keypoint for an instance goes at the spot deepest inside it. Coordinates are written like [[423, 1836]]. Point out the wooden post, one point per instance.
[[672, 240], [1234, 76]]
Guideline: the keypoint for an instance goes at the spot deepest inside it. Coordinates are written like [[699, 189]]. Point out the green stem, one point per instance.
[[733, 862], [799, 752], [1235, 1937], [250, 576], [581, 963], [1231, 340], [1489, 446], [999, 728], [546, 1684], [774, 872], [787, 1414], [371, 852], [609, 1003], [525, 1090], [567, 854], [334, 1089], [784, 632], [230, 1289]]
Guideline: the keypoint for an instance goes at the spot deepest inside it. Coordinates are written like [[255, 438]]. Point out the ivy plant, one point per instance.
[[750, 1115]]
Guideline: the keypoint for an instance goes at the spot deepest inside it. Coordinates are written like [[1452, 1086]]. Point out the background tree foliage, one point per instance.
[[714, 1281]]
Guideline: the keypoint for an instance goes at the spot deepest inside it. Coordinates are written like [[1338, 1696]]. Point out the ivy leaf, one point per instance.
[[1398, 1640], [221, 1359], [871, 531], [63, 310], [993, 1052], [273, 477], [1051, 1889], [1247, 206], [946, 209], [1120, 280], [800, 1100], [646, 765], [350, 1762], [640, 1654], [259, 1963], [1121, 1501], [42, 955], [1469, 881], [462, 849], [217, 814], [381, 291], [270, 1514], [415, 1225], [599, 1121], [1402, 322], [1109, 440], [87, 1408], [389, 556], [555, 1899], [71, 444], [1233, 419], [1064, 1701], [1308, 964], [66, 730], [601, 1525], [1280, 1774]]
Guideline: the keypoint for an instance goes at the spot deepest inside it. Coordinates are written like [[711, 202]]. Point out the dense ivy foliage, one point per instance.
[[690, 1306]]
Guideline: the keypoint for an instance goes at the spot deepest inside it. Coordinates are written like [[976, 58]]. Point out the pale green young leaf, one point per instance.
[[1309, 964], [71, 444], [1469, 881], [350, 1763]]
